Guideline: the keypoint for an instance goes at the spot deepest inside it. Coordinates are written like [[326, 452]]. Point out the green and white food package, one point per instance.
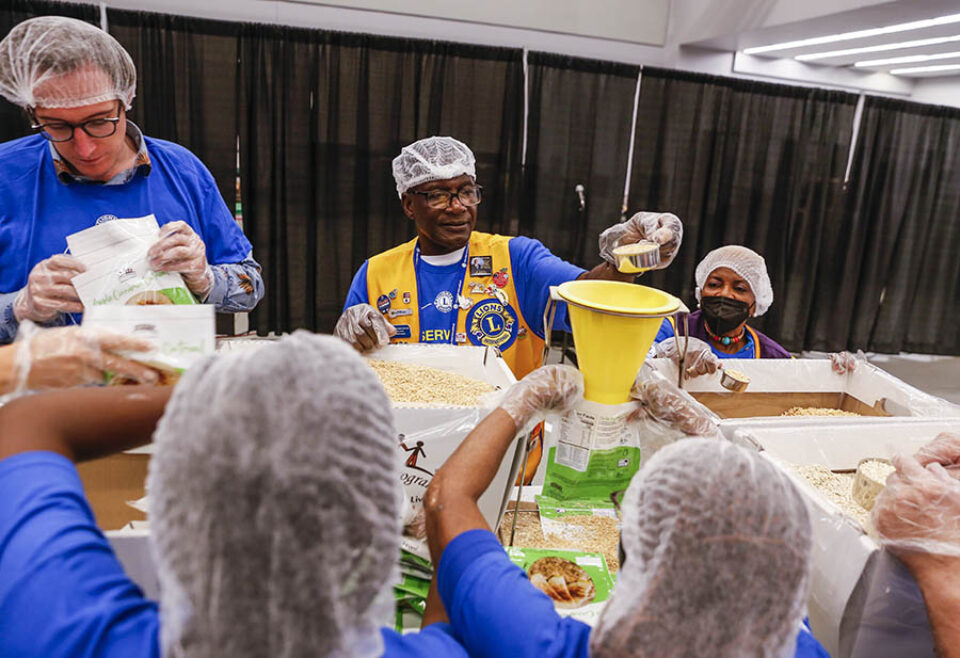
[[596, 452], [182, 334], [579, 584], [115, 255]]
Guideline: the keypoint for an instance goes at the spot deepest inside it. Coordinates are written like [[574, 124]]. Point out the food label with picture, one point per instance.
[[579, 584]]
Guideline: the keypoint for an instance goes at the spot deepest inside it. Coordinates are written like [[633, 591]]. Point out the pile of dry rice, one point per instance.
[[595, 534], [817, 411], [837, 488], [410, 383]]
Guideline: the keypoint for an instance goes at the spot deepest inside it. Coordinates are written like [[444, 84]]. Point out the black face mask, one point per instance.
[[723, 314]]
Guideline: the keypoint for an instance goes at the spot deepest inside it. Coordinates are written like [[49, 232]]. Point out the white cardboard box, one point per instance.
[[428, 435], [799, 382], [863, 602]]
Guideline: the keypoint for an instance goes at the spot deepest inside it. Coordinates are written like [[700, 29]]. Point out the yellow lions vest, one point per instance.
[[489, 314]]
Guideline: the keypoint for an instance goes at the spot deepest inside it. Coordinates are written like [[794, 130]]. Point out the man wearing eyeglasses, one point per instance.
[[451, 284], [89, 164]]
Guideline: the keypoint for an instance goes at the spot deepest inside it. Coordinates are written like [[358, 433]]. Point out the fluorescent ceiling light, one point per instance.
[[908, 59], [859, 34], [877, 49], [926, 69]]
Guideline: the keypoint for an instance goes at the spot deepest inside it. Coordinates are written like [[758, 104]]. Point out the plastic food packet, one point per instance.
[[118, 273]]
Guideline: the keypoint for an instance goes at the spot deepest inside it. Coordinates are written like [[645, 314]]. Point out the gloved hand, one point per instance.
[[844, 362], [49, 290], [62, 357], [364, 327], [918, 512], [944, 450], [548, 388], [663, 402], [661, 227], [179, 249], [699, 360]]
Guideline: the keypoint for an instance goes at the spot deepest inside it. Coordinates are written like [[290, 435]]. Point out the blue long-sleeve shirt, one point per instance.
[[42, 201]]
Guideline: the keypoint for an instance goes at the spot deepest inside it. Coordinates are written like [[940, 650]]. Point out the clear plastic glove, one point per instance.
[[944, 450], [844, 362], [661, 401], [664, 228], [49, 290], [548, 388], [699, 360], [179, 249], [74, 356], [918, 512], [364, 327]]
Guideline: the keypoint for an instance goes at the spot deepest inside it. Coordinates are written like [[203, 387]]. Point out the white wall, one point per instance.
[[685, 15], [636, 21], [938, 91]]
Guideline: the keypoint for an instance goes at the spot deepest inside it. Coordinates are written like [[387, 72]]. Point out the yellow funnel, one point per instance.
[[614, 325]]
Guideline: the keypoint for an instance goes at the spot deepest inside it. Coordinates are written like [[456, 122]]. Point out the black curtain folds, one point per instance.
[[319, 116], [751, 163], [894, 277], [186, 85], [322, 115], [578, 133], [13, 121]]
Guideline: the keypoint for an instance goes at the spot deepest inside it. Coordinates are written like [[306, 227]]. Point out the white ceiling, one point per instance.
[[877, 15]]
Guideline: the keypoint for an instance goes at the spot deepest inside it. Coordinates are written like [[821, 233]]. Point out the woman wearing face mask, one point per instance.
[[732, 286]]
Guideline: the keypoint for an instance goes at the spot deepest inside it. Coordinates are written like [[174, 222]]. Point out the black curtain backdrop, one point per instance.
[[186, 85], [321, 117], [578, 132], [744, 162], [13, 121], [894, 277]]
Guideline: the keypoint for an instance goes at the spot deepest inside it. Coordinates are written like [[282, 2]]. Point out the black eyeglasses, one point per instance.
[[62, 131], [469, 195]]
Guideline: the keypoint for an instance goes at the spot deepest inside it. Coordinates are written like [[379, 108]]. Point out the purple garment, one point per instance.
[[769, 349]]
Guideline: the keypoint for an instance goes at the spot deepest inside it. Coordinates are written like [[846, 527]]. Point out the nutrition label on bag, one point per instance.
[[584, 431]]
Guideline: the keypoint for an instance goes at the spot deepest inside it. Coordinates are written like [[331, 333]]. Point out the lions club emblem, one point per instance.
[[492, 324]]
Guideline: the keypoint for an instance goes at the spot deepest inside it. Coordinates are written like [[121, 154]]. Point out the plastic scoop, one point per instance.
[[637, 257]]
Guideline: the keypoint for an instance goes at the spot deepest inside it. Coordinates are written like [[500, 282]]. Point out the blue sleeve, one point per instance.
[[494, 609], [666, 331], [435, 641], [63, 593], [237, 286], [358, 288], [8, 321], [220, 231], [808, 646], [535, 269]]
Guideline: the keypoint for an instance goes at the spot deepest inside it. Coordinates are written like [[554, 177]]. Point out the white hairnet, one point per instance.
[[432, 158], [718, 544], [275, 505], [745, 262], [53, 61]]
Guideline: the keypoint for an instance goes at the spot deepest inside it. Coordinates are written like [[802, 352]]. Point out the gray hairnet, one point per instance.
[[745, 262], [53, 61], [717, 542], [275, 505], [430, 159]]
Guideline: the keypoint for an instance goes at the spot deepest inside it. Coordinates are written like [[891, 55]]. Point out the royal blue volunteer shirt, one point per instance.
[[64, 594], [495, 610], [534, 269]]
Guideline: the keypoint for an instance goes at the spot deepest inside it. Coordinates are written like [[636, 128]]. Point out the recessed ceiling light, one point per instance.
[[926, 69], [908, 59], [877, 49], [859, 34]]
